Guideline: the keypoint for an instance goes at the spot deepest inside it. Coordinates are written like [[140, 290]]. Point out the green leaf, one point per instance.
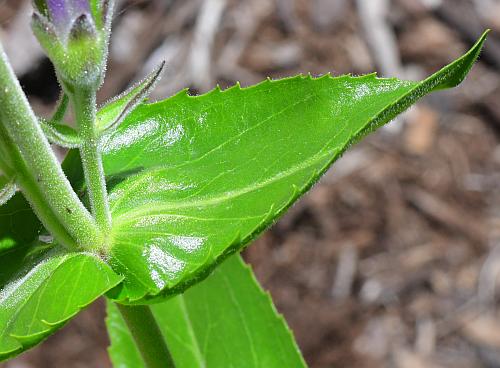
[[18, 226], [122, 351], [194, 179], [7, 190], [225, 321], [114, 112], [62, 107], [50, 290], [61, 134], [41, 286]]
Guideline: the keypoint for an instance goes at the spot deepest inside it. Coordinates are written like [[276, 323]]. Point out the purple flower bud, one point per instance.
[[63, 13], [75, 35]]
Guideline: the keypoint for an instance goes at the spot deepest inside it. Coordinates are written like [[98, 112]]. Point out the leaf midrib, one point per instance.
[[147, 210], [143, 210], [218, 147]]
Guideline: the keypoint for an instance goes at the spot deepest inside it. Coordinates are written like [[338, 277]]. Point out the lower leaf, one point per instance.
[[51, 289], [41, 285], [225, 321]]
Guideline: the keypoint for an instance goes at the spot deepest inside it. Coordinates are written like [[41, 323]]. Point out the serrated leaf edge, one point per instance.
[[386, 114]]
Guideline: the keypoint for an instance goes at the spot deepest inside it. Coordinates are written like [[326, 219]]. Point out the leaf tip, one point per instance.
[[454, 74]]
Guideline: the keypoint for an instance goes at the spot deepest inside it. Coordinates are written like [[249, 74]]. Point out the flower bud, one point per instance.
[[75, 35]]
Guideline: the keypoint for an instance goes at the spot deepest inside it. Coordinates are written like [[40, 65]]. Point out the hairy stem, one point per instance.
[[38, 173], [34, 195], [147, 336], [84, 103]]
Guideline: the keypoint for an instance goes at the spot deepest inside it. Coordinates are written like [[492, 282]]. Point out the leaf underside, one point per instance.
[[226, 320], [192, 180]]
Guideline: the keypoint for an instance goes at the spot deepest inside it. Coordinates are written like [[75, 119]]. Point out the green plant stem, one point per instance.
[[39, 174], [147, 336], [4, 152], [84, 103], [34, 195]]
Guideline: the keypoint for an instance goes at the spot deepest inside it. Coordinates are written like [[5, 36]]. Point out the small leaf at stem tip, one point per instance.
[[60, 112], [62, 135], [114, 112]]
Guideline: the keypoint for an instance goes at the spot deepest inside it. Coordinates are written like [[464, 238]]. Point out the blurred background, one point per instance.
[[392, 259]]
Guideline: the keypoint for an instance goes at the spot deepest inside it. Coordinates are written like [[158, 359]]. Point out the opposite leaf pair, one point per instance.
[[108, 118]]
